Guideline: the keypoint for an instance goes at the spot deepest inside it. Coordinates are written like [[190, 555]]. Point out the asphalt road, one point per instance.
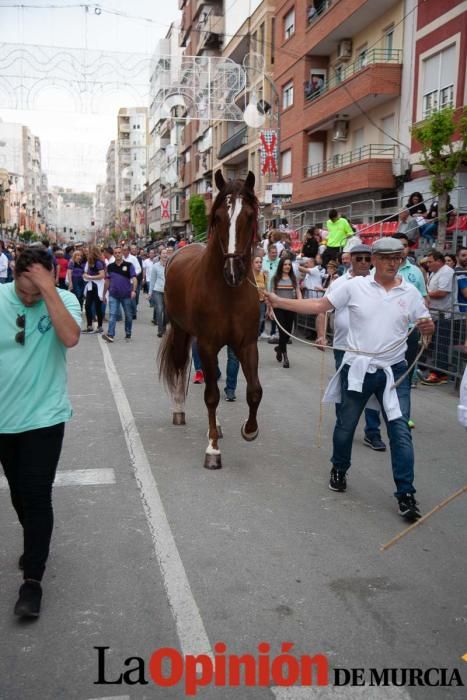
[[152, 551]]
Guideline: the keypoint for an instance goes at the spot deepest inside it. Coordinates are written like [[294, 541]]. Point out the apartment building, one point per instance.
[[164, 179], [110, 189], [439, 78], [130, 159], [202, 29], [20, 155], [237, 146], [341, 76]]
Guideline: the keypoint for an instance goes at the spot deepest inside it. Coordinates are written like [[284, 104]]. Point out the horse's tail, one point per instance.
[[173, 357]]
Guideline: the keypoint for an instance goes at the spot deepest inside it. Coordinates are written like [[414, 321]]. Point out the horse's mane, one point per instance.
[[235, 187]]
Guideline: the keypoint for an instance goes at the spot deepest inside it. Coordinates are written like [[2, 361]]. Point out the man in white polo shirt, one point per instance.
[[380, 310], [360, 263]]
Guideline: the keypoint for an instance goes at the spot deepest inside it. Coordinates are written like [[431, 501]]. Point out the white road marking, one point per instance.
[[340, 693], [190, 628], [78, 477], [114, 697]]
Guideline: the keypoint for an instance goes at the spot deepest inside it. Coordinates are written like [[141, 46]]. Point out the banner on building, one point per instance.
[[268, 151]]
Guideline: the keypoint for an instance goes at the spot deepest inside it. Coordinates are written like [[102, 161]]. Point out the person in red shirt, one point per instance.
[[61, 270]]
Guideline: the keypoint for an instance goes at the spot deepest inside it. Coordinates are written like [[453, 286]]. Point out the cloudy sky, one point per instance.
[[75, 138]]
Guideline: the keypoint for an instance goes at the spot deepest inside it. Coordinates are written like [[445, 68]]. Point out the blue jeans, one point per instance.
[[400, 438], [231, 369], [159, 311], [372, 417], [114, 308], [428, 232]]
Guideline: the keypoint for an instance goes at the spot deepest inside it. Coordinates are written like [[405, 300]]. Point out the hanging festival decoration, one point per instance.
[[269, 151]]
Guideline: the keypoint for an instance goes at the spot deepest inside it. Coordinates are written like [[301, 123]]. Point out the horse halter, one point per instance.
[[234, 263]]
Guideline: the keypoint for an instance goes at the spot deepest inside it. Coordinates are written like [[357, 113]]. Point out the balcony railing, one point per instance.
[[344, 72], [351, 157], [239, 139]]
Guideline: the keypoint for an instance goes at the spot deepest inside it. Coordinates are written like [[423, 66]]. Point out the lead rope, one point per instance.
[[424, 344]]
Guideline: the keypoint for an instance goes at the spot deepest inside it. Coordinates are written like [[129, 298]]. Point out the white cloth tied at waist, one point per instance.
[[359, 366], [100, 287]]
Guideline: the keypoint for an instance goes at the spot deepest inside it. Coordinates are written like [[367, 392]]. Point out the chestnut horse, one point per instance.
[[210, 295]]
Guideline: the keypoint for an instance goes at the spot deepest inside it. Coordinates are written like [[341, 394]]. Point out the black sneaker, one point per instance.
[[408, 507], [128, 336], [338, 481], [375, 443], [29, 601]]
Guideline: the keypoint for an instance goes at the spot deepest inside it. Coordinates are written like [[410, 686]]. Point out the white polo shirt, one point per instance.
[[441, 281], [341, 316], [377, 318]]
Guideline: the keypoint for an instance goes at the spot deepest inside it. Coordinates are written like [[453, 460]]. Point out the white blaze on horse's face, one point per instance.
[[233, 216]]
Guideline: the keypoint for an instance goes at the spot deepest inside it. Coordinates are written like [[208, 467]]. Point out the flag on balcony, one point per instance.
[[268, 151], [165, 213]]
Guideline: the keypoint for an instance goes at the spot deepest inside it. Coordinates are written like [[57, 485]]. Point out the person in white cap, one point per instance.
[[380, 310]]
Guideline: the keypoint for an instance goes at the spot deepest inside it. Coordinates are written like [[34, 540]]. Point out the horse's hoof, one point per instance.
[[178, 418], [212, 461], [249, 436]]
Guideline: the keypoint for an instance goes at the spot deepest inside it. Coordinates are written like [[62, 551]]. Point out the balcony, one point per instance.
[[335, 20], [239, 139], [211, 31], [365, 168], [370, 81]]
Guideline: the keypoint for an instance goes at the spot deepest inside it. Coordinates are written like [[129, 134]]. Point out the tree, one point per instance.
[[198, 216], [443, 141]]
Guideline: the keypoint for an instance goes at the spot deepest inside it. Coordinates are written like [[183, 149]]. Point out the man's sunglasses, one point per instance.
[[363, 258], [21, 323]]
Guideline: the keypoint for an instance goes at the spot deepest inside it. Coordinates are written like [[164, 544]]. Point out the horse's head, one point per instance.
[[234, 222]]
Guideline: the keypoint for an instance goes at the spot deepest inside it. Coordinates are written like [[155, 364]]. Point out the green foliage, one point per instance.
[[443, 141], [198, 216], [441, 155], [29, 236]]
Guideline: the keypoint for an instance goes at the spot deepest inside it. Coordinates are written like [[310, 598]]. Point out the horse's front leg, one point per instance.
[[213, 458], [248, 357]]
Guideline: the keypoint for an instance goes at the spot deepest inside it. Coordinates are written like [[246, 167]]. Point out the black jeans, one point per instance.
[[30, 461], [286, 319], [93, 303]]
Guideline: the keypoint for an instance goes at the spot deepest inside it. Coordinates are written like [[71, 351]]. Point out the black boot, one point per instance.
[[278, 354], [285, 364], [29, 601]]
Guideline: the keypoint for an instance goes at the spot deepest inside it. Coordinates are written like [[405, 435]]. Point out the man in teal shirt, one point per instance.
[[39, 322], [339, 230]]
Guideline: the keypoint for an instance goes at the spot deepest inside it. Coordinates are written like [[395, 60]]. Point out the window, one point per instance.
[[287, 95], [438, 81], [362, 57], [358, 141], [389, 41], [286, 163], [289, 24]]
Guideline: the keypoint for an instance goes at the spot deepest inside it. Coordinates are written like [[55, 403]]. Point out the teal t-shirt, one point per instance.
[[413, 274], [33, 376]]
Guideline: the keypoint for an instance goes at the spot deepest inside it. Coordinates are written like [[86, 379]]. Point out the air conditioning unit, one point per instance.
[[344, 50], [340, 130]]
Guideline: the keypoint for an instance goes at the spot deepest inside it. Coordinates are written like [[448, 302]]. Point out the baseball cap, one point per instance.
[[360, 248], [387, 246]]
